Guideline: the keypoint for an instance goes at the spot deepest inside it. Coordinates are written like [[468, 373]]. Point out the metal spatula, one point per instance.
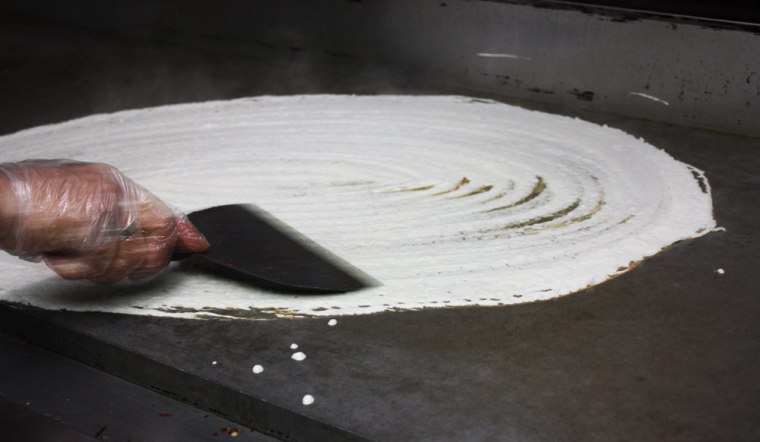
[[250, 244]]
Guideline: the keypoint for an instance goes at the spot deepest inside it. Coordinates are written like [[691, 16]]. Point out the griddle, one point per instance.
[[667, 351]]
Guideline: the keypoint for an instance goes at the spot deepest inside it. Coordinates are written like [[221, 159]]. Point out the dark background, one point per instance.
[[730, 10]]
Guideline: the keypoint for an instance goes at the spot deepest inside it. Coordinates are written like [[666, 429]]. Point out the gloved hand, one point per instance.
[[89, 221]]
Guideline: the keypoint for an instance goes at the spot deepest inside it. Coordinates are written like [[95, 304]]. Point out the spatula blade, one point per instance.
[[250, 244]]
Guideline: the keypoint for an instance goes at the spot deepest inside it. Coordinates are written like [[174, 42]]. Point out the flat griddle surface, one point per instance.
[[667, 351]]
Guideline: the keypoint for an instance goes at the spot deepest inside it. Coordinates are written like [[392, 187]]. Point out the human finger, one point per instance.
[[157, 254], [69, 266], [128, 257], [90, 264], [189, 238], [160, 233]]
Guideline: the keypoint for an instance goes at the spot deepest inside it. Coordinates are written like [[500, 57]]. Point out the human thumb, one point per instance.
[[189, 238]]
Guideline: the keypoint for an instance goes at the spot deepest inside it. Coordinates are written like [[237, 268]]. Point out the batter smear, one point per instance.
[[549, 205]]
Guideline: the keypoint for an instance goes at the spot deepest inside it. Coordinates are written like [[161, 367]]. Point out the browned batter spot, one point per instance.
[[626, 219], [462, 182], [537, 190], [544, 219], [413, 189], [599, 204], [237, 313], [495, 197], [477, 191]]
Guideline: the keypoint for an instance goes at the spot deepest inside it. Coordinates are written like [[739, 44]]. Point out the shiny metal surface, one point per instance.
[[675, 69], [668, 351]]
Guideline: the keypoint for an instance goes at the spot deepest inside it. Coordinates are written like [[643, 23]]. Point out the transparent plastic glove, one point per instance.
[[89, 221]]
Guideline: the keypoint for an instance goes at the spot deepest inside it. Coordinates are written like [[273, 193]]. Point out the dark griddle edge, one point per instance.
[[257, 414]]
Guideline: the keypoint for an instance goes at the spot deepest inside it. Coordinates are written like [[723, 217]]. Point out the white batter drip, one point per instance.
[[446, 201]]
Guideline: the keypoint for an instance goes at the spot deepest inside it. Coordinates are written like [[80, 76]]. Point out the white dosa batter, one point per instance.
[[447, 201]]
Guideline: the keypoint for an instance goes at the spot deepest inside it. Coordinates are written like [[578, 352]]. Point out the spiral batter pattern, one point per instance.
[[446, 201]]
